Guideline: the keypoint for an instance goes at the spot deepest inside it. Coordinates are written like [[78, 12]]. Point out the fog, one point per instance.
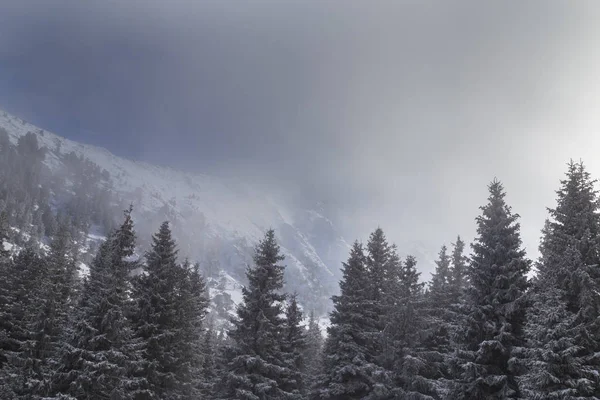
[[394, 113]]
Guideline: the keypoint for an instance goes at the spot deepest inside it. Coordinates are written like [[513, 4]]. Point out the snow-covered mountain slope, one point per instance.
[[215, 221]]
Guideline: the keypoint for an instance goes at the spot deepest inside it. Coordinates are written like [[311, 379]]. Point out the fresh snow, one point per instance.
[[208, 209]]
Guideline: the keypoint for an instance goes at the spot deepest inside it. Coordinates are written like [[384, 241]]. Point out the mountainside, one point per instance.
[[216, 222]]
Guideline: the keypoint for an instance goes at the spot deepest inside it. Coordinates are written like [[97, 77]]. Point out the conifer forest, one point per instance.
[[299, 200], [490, 323]]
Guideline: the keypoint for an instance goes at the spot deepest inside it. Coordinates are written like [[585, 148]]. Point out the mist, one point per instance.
[[394, 114]]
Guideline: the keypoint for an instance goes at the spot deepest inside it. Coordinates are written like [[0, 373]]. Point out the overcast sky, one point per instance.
[[398, 113]]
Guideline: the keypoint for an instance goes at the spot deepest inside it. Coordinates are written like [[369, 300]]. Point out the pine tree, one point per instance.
[[6, 271], [383, 265], [441, 278], [437, 317], [293, 348], [4, 228], [495, 304], [20, 291], [257, 368], [416, 367], [313, 350], [347, 364], [193, 304], [99, 356], [458, 275], [568, 268], [574, 221], [550, 360], [165, 369], [209, 371]]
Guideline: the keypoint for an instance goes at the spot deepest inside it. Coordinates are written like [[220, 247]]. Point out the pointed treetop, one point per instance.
[[268, 250]]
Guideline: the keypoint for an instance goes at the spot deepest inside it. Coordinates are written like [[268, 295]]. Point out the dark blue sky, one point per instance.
[[185, 90], [399, 111]]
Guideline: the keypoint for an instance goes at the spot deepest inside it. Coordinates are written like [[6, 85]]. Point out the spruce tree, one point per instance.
[[293, 348], [209, 371], [416, 367], [6, 270], [55, 301], [495, 304], [37, 304], [383, 266], [553, 369], [459, 272], [257, 368], [569, 269], [193, 304], [4, 229], [348, 366], [437, 316], [441, 280], [99, 356], [313, 350], [159, 326], [20, 372]]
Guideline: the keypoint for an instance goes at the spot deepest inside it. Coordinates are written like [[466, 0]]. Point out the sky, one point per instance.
[[394, 113]]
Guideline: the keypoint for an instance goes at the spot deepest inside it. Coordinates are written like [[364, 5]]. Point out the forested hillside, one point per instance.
[[480, 329], [48, 181], [93, 305]]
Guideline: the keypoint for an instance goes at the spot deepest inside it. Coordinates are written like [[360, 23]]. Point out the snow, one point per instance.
[[205, 207]]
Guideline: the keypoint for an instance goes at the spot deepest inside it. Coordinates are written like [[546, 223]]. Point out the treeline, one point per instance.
[[114, 335], [38, 201], [121, 335], [481, 329]]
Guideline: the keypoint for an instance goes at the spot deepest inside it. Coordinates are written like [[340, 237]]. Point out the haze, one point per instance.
[[394, 113]]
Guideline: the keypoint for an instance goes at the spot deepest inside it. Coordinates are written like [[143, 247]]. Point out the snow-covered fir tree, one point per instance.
[[313, 350], [209, 369], [20, 374], [4, 253], [257, 368], [550, 360], [99, 355], [192, 308], [171, 307], [569, 269], [56, 297], [348, 366], [437, 317], [293, 348], [416, 367], [495, 305], [459, 271]]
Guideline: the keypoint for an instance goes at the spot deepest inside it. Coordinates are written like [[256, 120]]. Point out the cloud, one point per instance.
[[397, 113]]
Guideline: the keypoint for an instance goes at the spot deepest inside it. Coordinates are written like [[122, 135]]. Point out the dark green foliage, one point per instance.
[[257, 367], [40, 296], [495, 305], [293, 347], [553, 369], [171, 308], [210, 369], [55, 302], [313, 350], [4, 253], [193, 304], [28, 188], [20, 374], [459, 272], [348, 367], [99, 356], [416, 366], [563, 328]]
